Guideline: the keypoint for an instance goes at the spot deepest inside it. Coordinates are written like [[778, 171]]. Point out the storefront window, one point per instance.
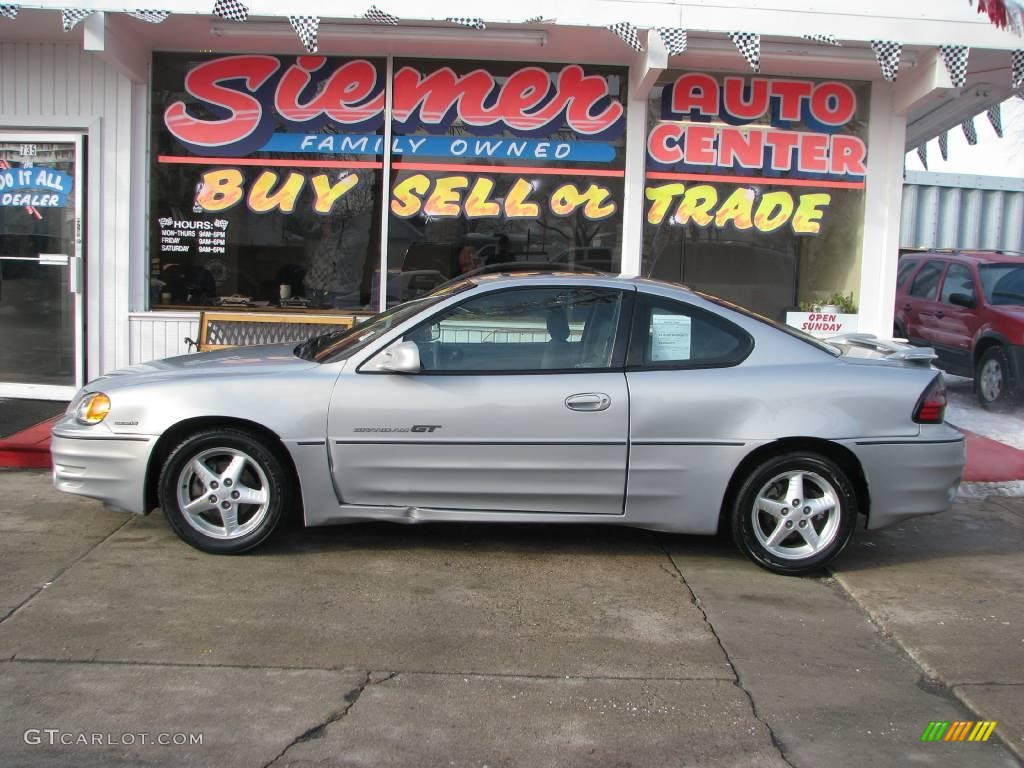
[[502, 165], [755, 188], [266, 181]]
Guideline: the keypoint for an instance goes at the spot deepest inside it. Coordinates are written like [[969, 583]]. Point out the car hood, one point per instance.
[[238, 361]]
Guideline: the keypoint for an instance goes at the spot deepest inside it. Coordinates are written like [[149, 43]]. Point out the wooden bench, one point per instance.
[[221, 330]]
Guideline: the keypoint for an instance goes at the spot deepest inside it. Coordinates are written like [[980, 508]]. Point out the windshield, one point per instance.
[[1003, 283], [340, 344], [787, 329]]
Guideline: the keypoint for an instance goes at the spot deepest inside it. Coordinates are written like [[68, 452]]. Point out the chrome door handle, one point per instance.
[[588, 401]]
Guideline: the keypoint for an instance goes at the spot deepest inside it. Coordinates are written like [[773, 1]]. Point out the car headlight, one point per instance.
[[93, 409]]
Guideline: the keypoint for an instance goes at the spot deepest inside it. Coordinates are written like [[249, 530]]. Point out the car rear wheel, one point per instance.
[[223, 491], [992, 380], [794, 513]]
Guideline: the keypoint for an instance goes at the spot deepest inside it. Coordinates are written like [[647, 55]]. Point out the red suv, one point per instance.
[[968, 306]]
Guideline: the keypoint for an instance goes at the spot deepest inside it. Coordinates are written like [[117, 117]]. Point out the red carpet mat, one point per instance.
[[29, 448], [989, 461]]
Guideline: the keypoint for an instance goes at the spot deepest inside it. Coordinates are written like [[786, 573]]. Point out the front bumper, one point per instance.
[[912, 477], [101, 465]]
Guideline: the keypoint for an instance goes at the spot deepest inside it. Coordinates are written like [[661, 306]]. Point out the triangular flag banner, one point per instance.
[[826, 39], [922, 155], [375, 14], [467, 22], [1017, 79], [749, 44], [995, 116], [9, 11], [626, 32], [306, 28], [888, 54], [955, 57], [70, 17], [674, 39], [231, 10], [969, 131], [944, 145], [153, 17]]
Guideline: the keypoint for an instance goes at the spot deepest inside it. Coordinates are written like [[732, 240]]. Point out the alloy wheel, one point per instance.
[[223, 493], [796, 515]]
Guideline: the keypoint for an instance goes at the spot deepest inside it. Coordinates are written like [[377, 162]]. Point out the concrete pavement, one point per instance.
[[494, 645]]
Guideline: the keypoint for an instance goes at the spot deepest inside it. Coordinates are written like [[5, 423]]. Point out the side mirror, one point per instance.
[[962, 300], [400, 357]]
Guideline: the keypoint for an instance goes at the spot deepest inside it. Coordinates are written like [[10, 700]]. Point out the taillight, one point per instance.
[[931, 408]]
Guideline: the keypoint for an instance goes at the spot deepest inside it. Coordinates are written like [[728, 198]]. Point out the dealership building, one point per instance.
[[227, 157]]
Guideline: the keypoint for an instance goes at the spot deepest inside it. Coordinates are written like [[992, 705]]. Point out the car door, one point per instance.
[[954, 324], [921, 302], [520, 405], [685, 393]]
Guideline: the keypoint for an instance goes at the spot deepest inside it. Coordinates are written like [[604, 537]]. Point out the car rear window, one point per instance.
[[786, 329]]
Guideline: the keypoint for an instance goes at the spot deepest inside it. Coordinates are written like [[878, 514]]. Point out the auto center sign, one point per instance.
[[719, 140], [727, 152]]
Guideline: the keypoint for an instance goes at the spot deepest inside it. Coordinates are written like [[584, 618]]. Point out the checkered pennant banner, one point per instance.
[[306, 28], [922, 155], [626, 32], [826, 39], [9, 11], [1017, 79], [231, 10], [970, 131], [674, 39], [464, 21], [995, 116], [944, 145], [70, 17], [955, 57], [153, 17], [888, 54], [378, 16], [748, 44]]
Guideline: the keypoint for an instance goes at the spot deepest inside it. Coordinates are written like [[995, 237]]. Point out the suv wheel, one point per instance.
[[992, 379]]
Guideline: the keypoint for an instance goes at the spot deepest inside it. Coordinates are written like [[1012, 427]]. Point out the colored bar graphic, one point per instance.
[[958, 730]]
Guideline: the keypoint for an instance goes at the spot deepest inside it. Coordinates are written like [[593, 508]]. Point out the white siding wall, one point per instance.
[[54, 86], [158, 335]]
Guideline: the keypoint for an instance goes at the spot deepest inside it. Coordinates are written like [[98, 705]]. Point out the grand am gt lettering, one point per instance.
[[794, 442], [413, 428]]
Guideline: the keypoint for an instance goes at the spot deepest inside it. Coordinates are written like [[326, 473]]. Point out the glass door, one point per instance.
[[41, 331]]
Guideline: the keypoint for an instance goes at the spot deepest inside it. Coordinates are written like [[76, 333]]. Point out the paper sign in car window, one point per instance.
[[670, 337]]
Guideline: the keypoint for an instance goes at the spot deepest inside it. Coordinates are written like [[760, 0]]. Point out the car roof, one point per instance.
[[975, 257], [568, 278]]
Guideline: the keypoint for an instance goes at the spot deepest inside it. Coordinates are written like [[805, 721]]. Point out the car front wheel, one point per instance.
[[992, 380], [223, 491], [794, 513]]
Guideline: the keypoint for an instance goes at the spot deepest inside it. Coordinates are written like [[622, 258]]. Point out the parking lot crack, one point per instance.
[[350, 699], [737, 678], [61, 571]]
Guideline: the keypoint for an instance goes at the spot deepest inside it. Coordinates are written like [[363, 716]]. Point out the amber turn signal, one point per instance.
[[93, 409]]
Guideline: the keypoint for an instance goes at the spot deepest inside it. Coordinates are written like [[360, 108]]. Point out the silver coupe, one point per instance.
[[553, 398]]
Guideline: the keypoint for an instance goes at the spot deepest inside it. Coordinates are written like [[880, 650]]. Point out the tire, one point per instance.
[[218, 467], [993, 383], [771, 532]]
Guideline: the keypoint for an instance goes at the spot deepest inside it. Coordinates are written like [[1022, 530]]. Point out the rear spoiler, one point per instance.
[[856, 344]]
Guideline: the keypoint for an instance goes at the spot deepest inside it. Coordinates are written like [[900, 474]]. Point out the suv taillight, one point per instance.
[[931, 408]]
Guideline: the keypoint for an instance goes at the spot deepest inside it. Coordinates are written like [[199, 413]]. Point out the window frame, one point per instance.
[[945, 276], [619, 351], [908, 267], [640, 336]]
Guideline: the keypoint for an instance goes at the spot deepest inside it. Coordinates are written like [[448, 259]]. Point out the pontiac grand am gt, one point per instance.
[[548, 398]]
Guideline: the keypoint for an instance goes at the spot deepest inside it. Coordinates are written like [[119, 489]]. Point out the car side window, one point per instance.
[[958, 280], [524, 330], [906, 269], [926, 283], [671, 334]]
